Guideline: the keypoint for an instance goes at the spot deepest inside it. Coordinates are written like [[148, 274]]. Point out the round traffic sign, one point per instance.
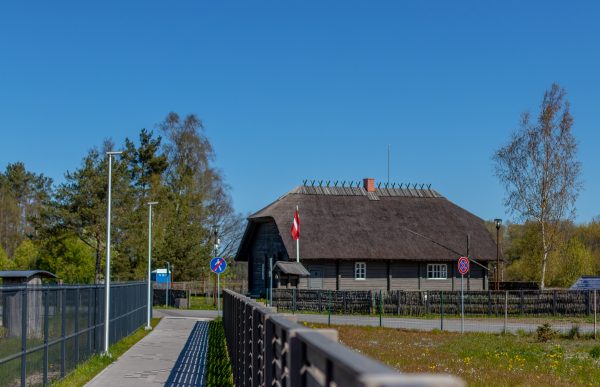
[[218, 265], [463, 265]]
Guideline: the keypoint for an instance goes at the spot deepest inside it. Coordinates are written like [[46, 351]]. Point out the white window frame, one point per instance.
[[360, 271], [438, 271]]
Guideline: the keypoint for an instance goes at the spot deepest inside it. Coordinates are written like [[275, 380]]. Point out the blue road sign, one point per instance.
[[218, 265]]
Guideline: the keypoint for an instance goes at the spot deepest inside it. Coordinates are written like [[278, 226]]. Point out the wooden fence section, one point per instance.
[[418, 303], [267, 349], [207, 287]]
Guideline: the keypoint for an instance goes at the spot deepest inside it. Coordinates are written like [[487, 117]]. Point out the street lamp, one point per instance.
[[498, 222], [150, 204], [218, 289], [107, 274]]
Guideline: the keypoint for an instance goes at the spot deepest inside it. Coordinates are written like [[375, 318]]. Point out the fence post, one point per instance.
[[554, 302], [46, 307], [319, 298], [293, 301], [595, 314], [77, 325], [489, 302], [89, 324], [505, 310], [521, 302], [380, 307], [398, 302], [23, 336], [329, 310], [63, 327], [442, 310]]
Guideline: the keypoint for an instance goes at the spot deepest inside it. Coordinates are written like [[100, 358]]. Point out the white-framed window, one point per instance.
[[360, 270], [437, 271]]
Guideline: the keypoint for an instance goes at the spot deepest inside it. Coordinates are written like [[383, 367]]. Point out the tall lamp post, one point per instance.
[[218, 289], [150, 204], [498, 222], [107, 274]]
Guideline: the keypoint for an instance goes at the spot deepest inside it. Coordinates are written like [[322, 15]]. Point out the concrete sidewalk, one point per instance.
[[151, 360]]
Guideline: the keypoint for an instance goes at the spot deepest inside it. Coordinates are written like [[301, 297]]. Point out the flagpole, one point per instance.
[[297, 245]]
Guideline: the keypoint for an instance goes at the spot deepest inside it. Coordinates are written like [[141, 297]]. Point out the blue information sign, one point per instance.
[[218, 265]]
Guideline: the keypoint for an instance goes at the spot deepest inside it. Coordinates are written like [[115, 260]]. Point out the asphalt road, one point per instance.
[[453, 325], [491, 325]]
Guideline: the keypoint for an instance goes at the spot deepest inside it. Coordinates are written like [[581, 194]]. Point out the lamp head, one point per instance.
[[498, 222]]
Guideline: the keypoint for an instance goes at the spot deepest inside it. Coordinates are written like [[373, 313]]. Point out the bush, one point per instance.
[[574, 333], [218, 365], [545, 333], [595, 352]]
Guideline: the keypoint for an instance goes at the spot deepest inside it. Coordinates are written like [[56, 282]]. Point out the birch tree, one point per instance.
[[540, 171]]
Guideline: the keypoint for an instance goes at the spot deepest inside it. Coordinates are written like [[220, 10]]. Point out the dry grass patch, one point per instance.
[[480, 359]]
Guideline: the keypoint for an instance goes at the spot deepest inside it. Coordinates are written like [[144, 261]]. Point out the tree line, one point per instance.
[[62, 227]]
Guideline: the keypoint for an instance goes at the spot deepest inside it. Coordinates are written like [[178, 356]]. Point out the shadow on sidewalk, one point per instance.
[[189, 370]]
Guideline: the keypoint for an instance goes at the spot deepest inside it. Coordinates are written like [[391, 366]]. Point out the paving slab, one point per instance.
[[152, 359]]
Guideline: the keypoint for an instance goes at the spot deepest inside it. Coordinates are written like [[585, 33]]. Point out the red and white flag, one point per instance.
[[296, 227]]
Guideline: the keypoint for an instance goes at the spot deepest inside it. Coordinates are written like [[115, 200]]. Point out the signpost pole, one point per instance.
[[218, 266], [462, 304]]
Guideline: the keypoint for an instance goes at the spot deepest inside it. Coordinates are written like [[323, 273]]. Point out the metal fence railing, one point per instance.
[[269, 349], [574, 312], [45, 331]]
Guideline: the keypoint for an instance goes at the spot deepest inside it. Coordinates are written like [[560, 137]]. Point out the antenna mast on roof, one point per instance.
[[388, 174]]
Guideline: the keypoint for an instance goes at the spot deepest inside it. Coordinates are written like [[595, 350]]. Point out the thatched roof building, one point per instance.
[[366, 223]]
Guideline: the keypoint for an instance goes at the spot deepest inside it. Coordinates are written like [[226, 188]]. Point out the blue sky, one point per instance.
[[290, 90]]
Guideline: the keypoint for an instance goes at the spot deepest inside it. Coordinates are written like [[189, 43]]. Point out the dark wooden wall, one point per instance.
[[266, 242]]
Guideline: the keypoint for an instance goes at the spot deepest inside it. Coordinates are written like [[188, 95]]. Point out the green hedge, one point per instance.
[[218, 366]]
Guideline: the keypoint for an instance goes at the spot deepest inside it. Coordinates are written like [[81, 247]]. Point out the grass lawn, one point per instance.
[[479, 358], [85, 371], [203, 303]]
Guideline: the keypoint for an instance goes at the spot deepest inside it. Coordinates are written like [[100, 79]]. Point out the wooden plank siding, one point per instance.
[[384, 275], [266, 243]]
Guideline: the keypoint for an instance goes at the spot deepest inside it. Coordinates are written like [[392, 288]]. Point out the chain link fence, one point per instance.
[[45, 331], [568, 312]]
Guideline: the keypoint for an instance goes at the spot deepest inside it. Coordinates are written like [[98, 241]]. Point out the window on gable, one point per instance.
[[437, 271], [360, 270]]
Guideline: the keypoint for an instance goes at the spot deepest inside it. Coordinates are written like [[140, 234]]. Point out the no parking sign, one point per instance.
[[463, 265]]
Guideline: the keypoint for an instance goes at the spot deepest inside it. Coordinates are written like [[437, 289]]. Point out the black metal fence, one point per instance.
[[47, 330], [565, 303], [269, 349]]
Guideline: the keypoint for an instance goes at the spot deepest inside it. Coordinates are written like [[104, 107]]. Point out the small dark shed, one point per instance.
[[288, 274], [24, 277], [13, 300]]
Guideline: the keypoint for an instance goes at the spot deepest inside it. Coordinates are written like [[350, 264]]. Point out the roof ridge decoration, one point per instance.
[[354, 188]]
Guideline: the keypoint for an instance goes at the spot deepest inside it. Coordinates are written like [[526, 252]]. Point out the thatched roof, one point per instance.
[[351, 223], [293, 268]]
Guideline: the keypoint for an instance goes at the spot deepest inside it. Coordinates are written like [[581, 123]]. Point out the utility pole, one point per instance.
[[498, 222]]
